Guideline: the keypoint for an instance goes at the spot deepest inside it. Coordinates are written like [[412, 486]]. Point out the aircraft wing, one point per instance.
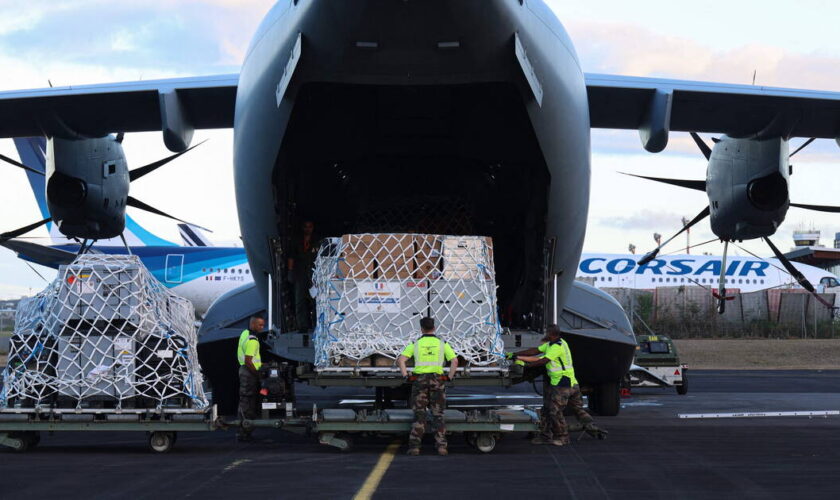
[[623, 102], [95, 110]]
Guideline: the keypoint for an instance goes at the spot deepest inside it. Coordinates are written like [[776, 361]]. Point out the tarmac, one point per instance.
[[650, 453]]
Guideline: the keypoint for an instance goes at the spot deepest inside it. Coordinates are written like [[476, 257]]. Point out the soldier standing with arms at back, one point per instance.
[[428, 385], [560, 389], [248, 355], [300, 264]]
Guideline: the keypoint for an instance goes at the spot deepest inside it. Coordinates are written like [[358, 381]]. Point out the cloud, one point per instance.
[[611, 47], [643, 219]]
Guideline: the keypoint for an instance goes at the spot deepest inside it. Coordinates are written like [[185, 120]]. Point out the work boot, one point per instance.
[[442, 451], [560, 442], [540, 440], [413, 452]]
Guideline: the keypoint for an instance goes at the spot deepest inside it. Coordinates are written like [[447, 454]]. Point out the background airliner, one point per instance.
[[196, 270], [747, 274]]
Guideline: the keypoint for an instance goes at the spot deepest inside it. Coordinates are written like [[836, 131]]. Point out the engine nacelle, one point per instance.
[[747, 185], [87, 186]]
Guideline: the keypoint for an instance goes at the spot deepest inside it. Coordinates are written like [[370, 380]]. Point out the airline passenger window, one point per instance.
[[609, 279]]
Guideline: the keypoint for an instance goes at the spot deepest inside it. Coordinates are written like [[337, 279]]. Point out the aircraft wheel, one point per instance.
[[682, 390], [606, 399]]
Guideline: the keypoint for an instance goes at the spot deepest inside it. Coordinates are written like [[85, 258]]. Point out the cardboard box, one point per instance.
[[463, 256], [394, 254], [349, 363], [427, 257], [357, 260]]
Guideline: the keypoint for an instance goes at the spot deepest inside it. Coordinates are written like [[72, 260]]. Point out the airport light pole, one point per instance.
[[685, 222]]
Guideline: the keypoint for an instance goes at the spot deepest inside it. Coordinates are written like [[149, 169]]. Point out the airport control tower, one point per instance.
[[808, 250]]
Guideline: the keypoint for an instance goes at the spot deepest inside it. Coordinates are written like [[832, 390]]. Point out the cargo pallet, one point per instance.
[[20, 428]]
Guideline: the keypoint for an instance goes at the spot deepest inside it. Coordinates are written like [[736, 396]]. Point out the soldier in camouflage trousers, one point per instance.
[[555, 400], [560, 389], [428, 388]]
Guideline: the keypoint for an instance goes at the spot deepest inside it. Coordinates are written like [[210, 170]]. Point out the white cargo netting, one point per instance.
[[372, 289], [104, 333]]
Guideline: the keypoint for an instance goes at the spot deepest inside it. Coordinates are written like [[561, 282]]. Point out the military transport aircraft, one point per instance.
[[357, 113]]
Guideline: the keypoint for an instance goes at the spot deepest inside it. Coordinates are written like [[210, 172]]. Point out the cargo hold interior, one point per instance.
[[458, 160]]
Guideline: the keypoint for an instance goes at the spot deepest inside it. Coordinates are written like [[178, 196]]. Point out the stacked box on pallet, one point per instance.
[[372, 290], [107, 334]]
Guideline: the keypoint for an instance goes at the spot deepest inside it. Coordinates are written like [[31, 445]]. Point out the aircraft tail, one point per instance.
[[193, 236], [33, 152]]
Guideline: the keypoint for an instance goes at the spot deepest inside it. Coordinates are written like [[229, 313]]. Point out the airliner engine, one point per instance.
[[87, 187]]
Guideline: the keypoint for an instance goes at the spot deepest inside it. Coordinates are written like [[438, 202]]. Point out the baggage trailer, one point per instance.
[[21, 430]]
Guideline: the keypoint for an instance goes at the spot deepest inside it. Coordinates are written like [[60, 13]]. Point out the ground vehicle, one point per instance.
[[657, 364], [21, 430]]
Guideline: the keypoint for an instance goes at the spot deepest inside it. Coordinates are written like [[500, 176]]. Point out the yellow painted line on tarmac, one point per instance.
[[375, 477]]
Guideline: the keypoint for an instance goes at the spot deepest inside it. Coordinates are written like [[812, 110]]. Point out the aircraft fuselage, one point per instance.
[[479, 104]]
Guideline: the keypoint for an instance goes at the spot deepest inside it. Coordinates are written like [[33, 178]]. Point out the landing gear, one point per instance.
[[605, 400]]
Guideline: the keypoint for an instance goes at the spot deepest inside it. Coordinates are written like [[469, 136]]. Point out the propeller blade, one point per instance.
[[686, 183], [803, 146], [707, 152], [818, 208], [796, 274], [151, 167], [21, 165], [652, 255], [134, 202], [23, 230]]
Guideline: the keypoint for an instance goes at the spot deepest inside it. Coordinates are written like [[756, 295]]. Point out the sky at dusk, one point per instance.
[[71, 42]]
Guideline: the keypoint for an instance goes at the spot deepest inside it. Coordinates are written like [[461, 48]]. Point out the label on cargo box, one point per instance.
[[383, 297], [164, 353], [269, 406], [506, 427]]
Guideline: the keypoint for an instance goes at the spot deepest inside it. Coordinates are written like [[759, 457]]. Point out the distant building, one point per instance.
[[808, 250]]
